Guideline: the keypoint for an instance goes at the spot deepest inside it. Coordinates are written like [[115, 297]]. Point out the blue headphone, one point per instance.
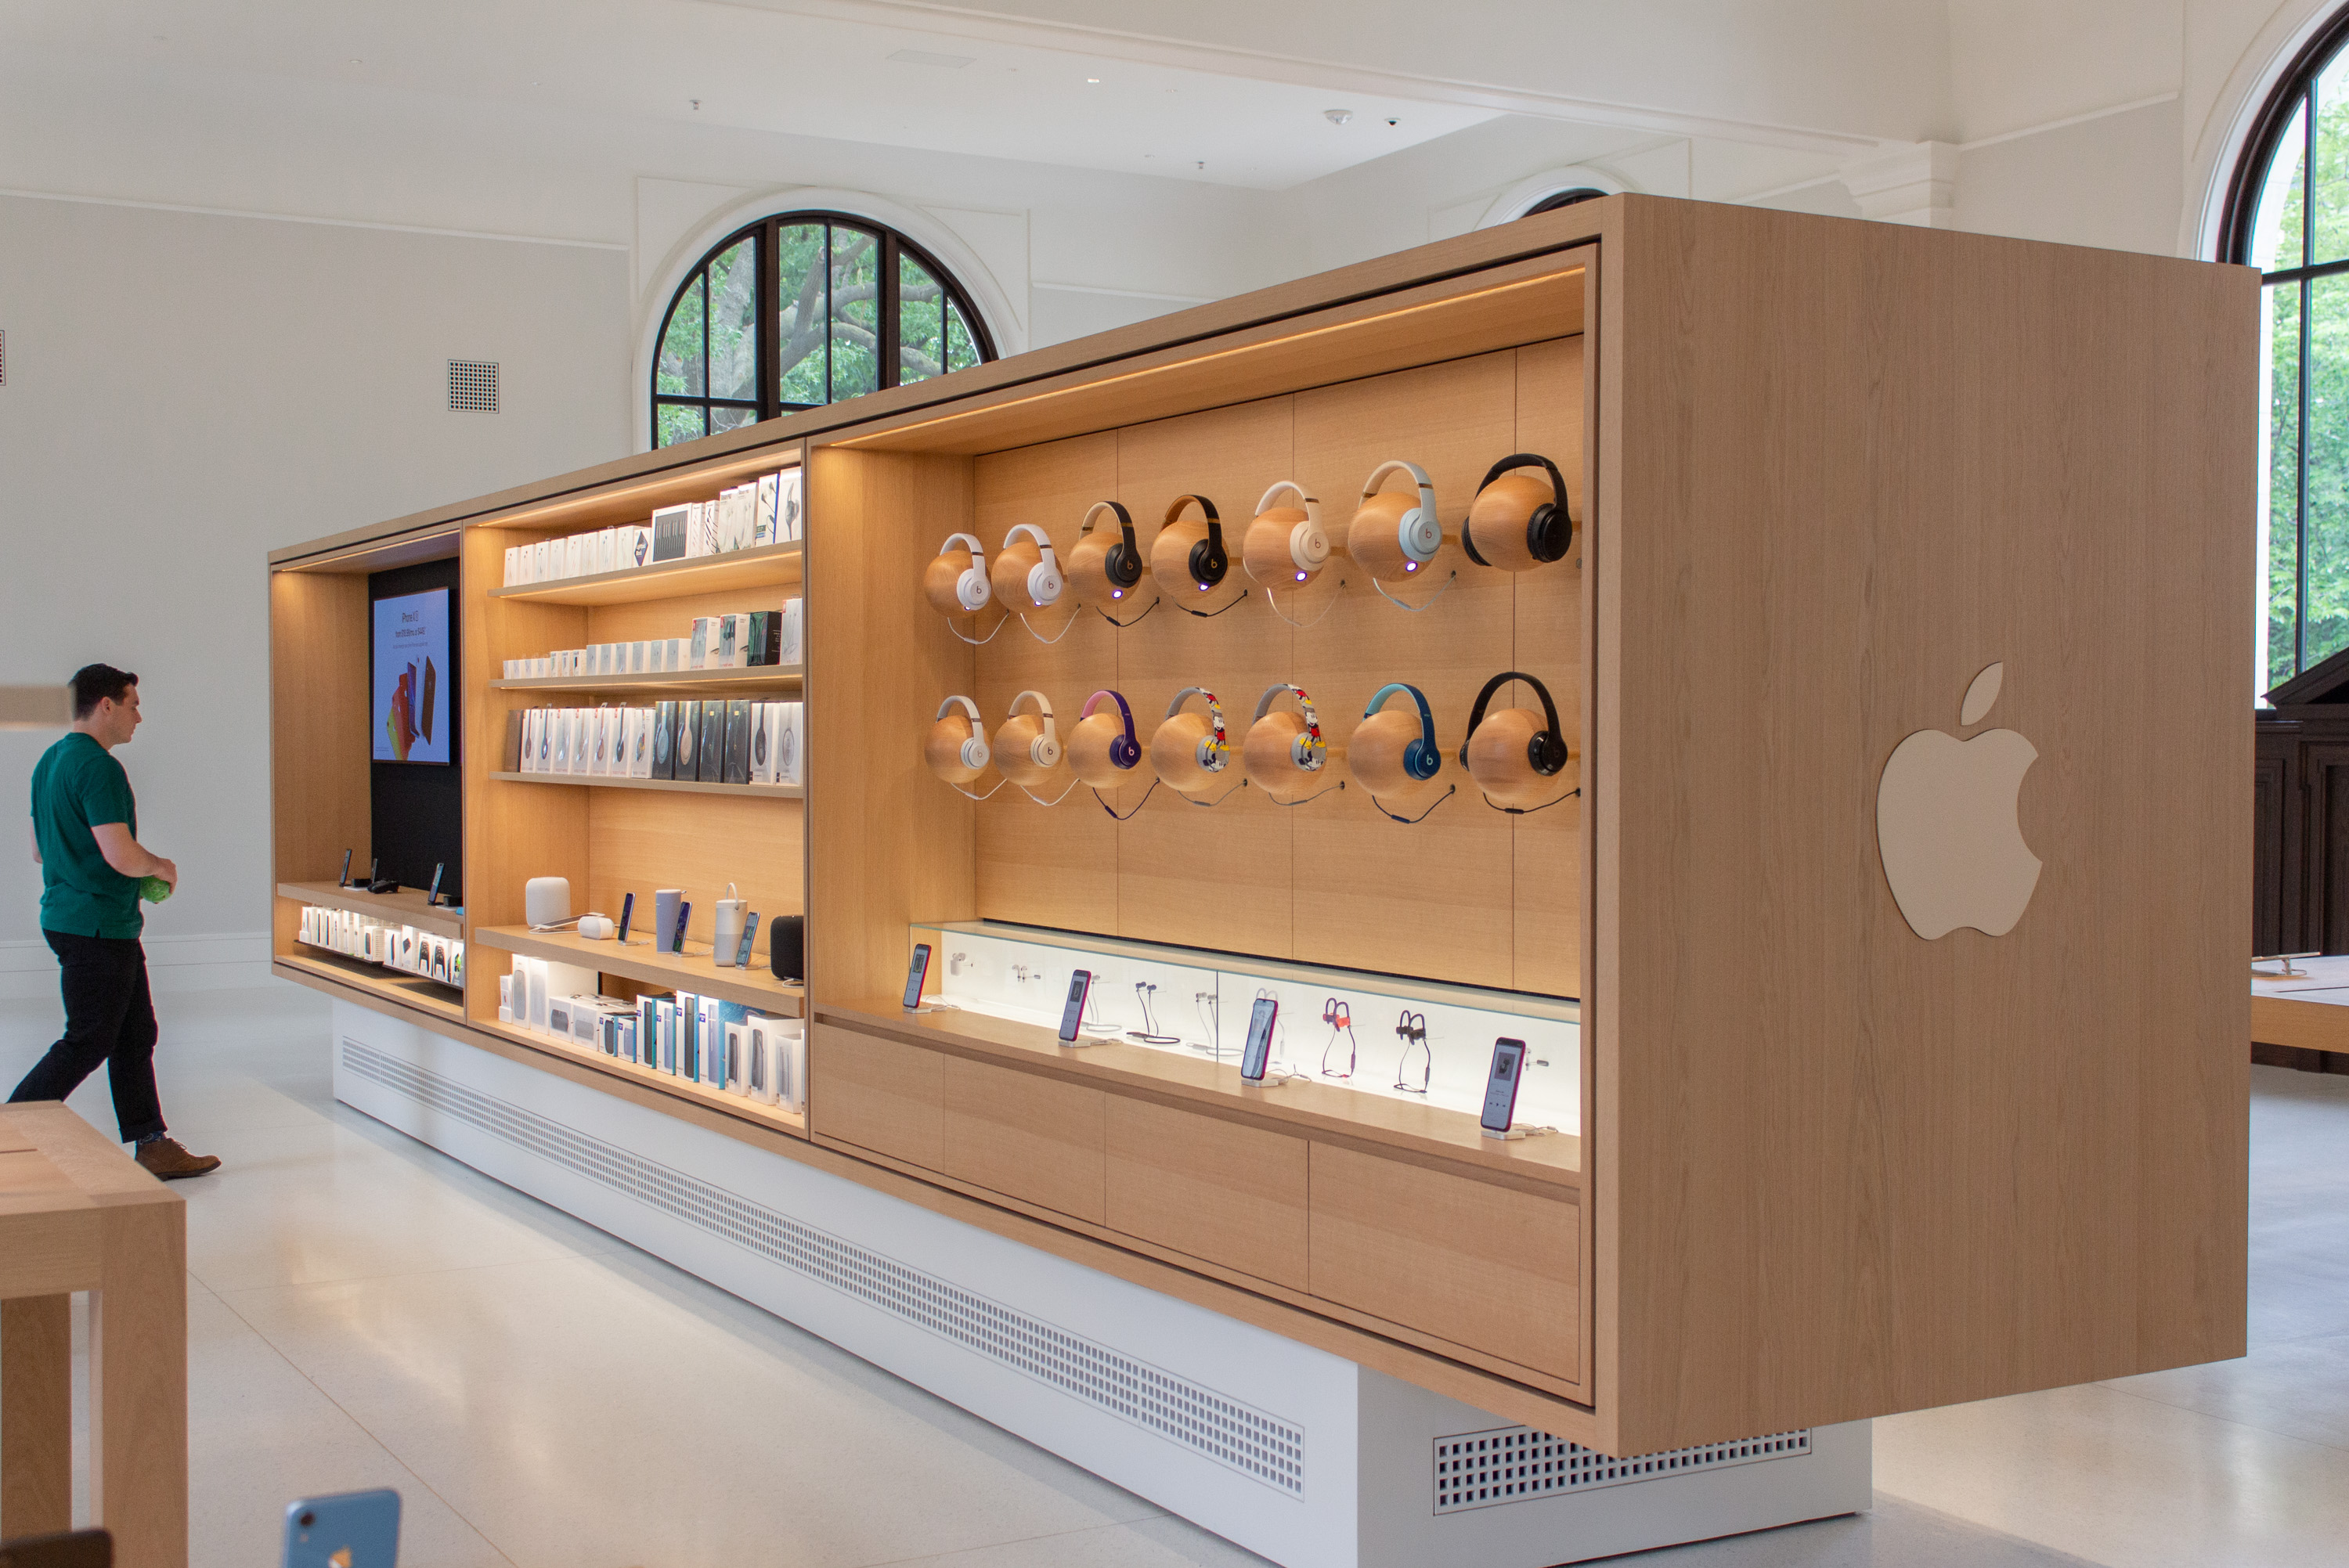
[[1124, 752], [1421, 758]]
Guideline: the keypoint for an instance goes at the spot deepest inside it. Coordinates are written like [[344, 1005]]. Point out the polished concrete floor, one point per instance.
[[364, 1312]]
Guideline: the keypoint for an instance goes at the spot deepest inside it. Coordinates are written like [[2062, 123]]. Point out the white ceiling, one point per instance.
[[754, 67]]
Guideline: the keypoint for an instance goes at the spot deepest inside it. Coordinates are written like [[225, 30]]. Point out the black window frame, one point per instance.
[[766, 234], [2294, 91]]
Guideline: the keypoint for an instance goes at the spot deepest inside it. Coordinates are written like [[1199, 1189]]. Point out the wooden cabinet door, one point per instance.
[[876, 1094], [1216, 1189], [1494, 1268], [1024, 1135]]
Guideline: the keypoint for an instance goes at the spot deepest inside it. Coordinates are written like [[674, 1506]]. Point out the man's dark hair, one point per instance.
[[93, 684]]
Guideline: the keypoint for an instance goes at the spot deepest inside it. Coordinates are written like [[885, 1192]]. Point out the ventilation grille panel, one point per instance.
[[473, 386], [1265, 1448], [1517, 1464], [3, 359]]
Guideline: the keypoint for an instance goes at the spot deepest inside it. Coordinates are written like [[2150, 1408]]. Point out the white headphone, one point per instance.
[[974, 748], [1308, 541], [1044, 577], [970, 589], [1418, 532], [1045, 750]]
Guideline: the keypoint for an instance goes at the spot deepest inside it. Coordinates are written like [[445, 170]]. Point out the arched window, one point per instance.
[[1557, 199], [2299, 237], [802, 309]]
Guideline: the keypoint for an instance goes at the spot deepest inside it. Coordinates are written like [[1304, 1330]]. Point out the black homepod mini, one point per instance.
[[787, 947]]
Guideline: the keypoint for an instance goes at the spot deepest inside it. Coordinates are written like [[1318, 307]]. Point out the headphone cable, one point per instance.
[[1529, 811], [1218, 800], [1341, 784], [1138, 805], [1307, 625], [1449, 791], [1055, 799], [967, 795], [1040, 637], [1416, 609], [1210, 615], [1114, 621], [977, 642]]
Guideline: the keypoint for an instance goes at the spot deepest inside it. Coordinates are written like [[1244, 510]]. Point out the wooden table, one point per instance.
[[78, 1214], [2307, 1011]]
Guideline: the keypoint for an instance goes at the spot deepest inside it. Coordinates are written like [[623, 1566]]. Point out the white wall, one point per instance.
[[185, 393]]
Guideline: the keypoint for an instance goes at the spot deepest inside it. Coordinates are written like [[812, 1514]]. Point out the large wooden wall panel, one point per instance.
[[643, 839], [319, 720], [1851, 1170]]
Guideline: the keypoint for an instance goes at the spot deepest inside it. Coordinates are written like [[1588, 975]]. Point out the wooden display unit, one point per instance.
[[1825, 472]]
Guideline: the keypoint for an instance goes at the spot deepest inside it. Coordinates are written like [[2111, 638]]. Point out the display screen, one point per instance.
[[410, 657], [1073, 1014], [915, 972], [1501, 1090], [1253, 1059]]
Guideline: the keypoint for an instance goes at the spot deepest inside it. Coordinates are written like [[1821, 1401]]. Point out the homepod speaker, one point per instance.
[[1027, 748], [956, 750], [1520, 758], [1286, 545], [1189, 749], [1284, 750], [1395, 533], [546, 900], [787, 947], [1392, 751], [1104, 566], [1519, 519], [1103, 749]]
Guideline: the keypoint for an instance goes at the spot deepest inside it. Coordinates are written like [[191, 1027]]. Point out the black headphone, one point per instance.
[[1549, 532], [1125, 750], [1208, 562], [1421, 758], [1123, 564], [1546, 751]]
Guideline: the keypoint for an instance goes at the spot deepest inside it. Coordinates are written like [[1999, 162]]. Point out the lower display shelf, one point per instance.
[[754, 988], [408, 990], [701, 1094], [685, 786]]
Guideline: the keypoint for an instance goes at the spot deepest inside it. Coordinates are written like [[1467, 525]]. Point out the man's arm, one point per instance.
[[124, 854], [36, 842]]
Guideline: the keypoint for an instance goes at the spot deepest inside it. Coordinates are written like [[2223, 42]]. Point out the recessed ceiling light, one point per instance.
[[1337, 116], [927, 57], [1093, 80]]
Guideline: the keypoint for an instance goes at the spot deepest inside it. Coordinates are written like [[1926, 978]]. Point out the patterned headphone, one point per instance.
[[974, 747], [1306, 751], [1214, 749], [1124, 752], [1546, 751], [1123, 564], [1208, 562], [1421, 758], [972, 591]]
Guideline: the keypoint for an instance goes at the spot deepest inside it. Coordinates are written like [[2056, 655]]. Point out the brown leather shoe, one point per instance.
[[166, 1162]]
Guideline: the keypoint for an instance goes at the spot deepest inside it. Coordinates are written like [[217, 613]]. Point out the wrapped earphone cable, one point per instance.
[[1449, 791], [1416, 609], [1122, 625], [1307, 625], [1529, 811], [1138, 805], [1203, 614]]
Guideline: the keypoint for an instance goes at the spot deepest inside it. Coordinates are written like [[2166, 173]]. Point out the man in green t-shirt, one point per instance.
[[86, 836]]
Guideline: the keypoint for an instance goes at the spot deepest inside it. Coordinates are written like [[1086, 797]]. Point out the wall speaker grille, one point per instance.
[[1517, 1464], [473, 386], [1263, 1447]]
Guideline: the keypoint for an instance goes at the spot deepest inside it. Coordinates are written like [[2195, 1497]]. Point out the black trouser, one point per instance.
[[110, 1018]]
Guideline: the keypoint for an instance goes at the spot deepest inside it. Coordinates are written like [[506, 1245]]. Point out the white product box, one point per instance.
[[734, 640], [704, 634], [762, 744], [563, 721], [794, 620], [678, 650], [789, 512], [705, 528], [635, 547], [573, 561], [713, 1042], [514, 565], [762, 514], [529, 723], [607, 549], [735, 1071], [789, 740], [639, 658], [542, 564], [640, 743]]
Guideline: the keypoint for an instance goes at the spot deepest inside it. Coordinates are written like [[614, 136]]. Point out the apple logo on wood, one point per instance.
[[1948, 823]]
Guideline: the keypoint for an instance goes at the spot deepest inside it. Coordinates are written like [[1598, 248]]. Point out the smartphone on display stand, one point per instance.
[[347, 870], [1501, 1088], [1257, 1054], [916, 973], [627, 910], [432, 899], [750, 930], [349, 1530], [1073, 1013], [684, 913]]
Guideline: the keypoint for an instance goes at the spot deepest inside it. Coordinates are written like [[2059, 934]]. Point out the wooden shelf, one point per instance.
[[754, 988], [406, 905], [777, 791], [772, 565], [772, 1116], [1310, 1107], [407, 990], [757, 678]]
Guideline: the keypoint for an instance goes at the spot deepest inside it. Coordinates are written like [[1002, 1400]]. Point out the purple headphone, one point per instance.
[[1124, 752]]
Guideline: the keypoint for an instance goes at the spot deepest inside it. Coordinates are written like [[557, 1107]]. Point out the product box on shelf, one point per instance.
[[710, 750], [669, 530], [685, 754], [737, 742]]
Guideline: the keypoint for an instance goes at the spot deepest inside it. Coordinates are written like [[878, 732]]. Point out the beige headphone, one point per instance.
[[1024, 753], [1393, 535], [1286, 545]]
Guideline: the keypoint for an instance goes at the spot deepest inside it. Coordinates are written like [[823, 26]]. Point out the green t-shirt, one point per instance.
[[78, 785]]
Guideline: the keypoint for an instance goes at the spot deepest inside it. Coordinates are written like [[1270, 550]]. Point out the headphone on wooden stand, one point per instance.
[[1513, 756], [1284, 750], [1188, 561], [1393, 535], [1026, 749], [1103, 745], [1189, 749], [1286, 545], [1391, 754], [1103, 571], [958, 586], [1512, 524], [1033, 574], [956, 749]]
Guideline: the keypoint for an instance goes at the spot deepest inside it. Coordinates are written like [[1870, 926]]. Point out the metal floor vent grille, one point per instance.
[[1262, 1447], [1514, 1464], [473, 386]]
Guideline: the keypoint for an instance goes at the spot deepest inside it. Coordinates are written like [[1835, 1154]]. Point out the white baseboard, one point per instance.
[[221, 961]]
